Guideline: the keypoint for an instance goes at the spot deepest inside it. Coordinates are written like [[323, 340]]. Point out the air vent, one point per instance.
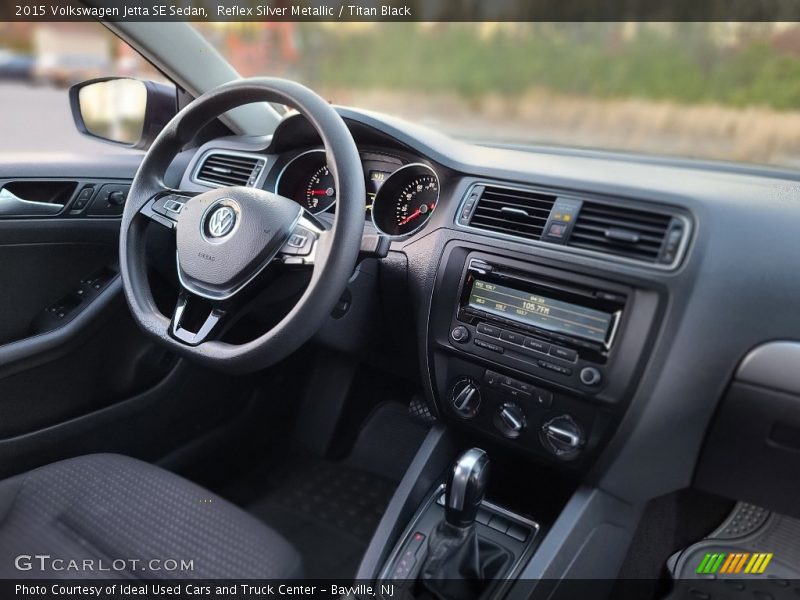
[[626, 232], [229, 169], [521, 213]]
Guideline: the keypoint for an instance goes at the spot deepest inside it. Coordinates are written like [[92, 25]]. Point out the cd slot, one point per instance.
[[481, 269]]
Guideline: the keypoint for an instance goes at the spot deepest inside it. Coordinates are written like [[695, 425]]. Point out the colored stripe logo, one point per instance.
[[733, 563]]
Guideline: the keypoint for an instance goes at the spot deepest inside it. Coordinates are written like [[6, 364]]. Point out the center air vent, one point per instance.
[[223, 169], [626, 232], [521, 213]]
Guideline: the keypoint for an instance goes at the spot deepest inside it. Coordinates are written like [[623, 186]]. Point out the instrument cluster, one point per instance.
[[401, 195]]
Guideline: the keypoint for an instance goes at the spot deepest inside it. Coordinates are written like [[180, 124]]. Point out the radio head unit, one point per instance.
[[540, 311], [584, 318]]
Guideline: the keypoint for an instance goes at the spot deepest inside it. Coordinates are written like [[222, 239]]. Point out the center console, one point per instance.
[[533, 354], [534, 360]]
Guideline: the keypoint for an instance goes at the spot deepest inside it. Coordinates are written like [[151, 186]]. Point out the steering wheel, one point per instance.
[[228, 237]]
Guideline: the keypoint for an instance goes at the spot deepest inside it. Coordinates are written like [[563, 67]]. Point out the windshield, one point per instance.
[[727, 91]]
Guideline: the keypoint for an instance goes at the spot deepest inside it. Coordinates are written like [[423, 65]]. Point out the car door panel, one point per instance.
[[40, 277], [69, 349]]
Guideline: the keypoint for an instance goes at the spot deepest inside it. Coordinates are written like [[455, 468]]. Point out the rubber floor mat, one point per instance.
[[755, 553], [328, 511]]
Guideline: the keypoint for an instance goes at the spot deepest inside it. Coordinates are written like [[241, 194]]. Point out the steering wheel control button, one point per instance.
[[299, 243], [298, 240], [460, 334], [486, 329], [174, 205], [466, 398], [169, 205], [563, 437], [590, 376], [488, 345], [510, 420]]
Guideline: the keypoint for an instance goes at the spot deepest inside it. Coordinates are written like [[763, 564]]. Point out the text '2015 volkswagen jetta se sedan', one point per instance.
[[356, 308]]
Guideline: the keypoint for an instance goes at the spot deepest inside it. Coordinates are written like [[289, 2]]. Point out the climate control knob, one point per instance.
[[563, 437], [466, 398], [510, 420]]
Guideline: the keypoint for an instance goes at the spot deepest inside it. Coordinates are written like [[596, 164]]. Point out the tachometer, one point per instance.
[[406, 200], [320, 192], [307, 180]]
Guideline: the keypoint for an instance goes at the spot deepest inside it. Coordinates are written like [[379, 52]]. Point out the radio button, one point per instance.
[[489, 330], [590, 376], [555, 368], [511, 337], [460, 334], [565, 353], [538, 346], [488, 346]]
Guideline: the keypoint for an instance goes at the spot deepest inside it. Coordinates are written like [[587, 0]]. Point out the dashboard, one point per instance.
[[585, 309]]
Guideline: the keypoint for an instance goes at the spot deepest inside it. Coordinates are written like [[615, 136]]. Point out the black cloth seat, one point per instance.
[[108, 507]]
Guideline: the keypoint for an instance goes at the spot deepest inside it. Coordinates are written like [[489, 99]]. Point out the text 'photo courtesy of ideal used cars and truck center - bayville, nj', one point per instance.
[[415, 300]]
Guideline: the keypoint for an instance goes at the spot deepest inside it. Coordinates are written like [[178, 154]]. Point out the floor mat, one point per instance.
[[754, 553], [328, 511], [388, 441]]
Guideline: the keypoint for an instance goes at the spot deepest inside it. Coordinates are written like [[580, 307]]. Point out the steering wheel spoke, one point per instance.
[[195, 320], [165, 207]]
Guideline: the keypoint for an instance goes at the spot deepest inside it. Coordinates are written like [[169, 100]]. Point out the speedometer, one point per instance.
[[406, 200]]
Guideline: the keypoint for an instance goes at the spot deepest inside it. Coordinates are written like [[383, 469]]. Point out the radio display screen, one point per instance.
[[546, 313]]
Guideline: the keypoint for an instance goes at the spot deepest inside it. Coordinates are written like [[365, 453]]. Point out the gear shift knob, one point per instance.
[[466, 486]]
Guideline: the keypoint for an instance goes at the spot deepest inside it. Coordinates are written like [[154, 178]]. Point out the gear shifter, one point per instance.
[[466, 487], [460, 565]]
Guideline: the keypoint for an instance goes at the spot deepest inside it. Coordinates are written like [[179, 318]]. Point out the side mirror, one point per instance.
[[124, 111]]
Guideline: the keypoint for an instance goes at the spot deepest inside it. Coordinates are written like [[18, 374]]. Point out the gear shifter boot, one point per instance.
[[459, 565]]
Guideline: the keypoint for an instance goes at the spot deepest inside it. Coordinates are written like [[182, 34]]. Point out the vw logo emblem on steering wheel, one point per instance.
[[220, 219]]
